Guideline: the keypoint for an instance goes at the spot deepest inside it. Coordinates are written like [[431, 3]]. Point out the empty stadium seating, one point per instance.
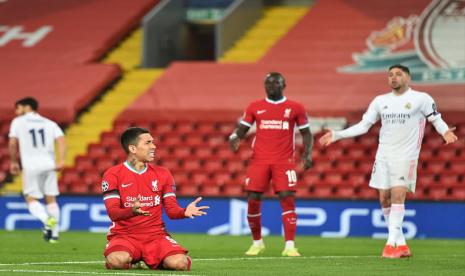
[[203, 167]]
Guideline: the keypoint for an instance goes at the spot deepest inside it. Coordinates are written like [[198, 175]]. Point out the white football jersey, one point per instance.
[[403, 119], [36, 136]]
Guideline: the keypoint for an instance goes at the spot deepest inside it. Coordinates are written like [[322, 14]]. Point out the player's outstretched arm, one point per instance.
[[449, 136], [327, 139], [192, 210]]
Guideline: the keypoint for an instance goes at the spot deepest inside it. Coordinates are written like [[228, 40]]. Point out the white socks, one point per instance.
[[54, 211], [38, 210], [396, 217], [289, 245], [258, 242]]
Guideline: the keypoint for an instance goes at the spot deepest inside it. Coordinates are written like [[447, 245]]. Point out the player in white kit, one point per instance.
[[403, 113], [36, 136]]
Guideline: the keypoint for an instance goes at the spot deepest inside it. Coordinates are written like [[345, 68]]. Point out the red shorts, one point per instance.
[[152, 250], [282, 176]]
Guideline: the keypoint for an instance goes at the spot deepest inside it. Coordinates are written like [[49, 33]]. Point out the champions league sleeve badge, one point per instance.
[[433, 41]]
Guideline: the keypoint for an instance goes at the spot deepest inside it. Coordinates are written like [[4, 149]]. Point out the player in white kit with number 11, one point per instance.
[[36, 137], [403, 113]]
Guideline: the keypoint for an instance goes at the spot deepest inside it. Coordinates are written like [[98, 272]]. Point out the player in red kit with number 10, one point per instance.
[[276, 118], [134, 193]]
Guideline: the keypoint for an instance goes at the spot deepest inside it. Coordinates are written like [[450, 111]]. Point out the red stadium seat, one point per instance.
[[365, 165], [438, 192], [334, 153], [221, 177], [213, 164], [103, 164], [333, 178], [426, 179], [190, 189], [446, 153], [191, 164], [171, 163], [83, 163], [163, 128], [367, 193], [311, 178], [195, 140], [345, 164], [203, 152], [216, 139], [92, 178], [426, 154], [181, 177], [82, 189], [210, 189], [182, 151], [199, 177], [172, 139], [457, 166], [322, 191], [356, 179], [436, 166], [205, 127], [226, 128], [302, 191], [185, 127], [356, 152], [448, 179], [109, 138], [323, 165], [70, 175], [95, 151], [345, 191], [434, 141], [234, 165], [233, 189], [224, 152], [458, 192]]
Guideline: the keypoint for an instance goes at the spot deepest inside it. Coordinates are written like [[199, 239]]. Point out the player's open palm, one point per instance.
[[327, 139], [137, 210], [192, 210], [449, 136]]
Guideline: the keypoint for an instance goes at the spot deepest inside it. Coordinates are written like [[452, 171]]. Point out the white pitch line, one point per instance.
[[90, 272], [203, 260]]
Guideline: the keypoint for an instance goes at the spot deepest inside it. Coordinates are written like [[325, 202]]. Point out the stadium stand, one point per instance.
[[193, 107]]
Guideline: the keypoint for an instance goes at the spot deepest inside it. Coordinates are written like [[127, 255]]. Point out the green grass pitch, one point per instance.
[[79, 253]]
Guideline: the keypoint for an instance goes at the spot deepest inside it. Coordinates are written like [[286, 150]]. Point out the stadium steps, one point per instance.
[[100, 116], [275, 22]]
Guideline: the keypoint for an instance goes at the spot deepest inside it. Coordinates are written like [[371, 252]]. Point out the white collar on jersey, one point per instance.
[[276, 102], [127, 165], [405, 93]]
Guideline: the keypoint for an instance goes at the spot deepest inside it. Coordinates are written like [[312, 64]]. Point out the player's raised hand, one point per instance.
[[137, 210], [449, 136], [327, 139], [192, 210]]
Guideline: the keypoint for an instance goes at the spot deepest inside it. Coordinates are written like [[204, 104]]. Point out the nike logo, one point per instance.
[[126, 185], [292, 184], [261, 111]]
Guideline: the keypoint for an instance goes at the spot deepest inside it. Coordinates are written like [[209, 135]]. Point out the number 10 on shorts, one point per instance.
[[292, 177]]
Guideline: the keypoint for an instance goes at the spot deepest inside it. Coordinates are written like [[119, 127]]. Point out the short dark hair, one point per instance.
[[131, 137], [30, 101], [401, 67], [277, 75]]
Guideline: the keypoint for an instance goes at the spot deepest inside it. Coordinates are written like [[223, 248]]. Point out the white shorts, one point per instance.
[[37, 184], [392, 173]]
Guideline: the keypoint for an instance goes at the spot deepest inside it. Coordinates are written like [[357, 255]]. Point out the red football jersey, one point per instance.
[[154, 186], [275, 139]]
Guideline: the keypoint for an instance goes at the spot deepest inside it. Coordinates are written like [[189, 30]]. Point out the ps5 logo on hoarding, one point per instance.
[[431, 44]]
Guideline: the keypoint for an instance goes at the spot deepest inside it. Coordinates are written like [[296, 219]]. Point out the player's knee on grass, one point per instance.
[[118, 260], [177, 262]]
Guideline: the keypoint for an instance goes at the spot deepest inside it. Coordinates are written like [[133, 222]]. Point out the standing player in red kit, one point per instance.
[[273, 158], [134, 193]]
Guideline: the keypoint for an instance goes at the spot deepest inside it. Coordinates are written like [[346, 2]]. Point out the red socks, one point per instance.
[[254, 217], [289, 217]]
